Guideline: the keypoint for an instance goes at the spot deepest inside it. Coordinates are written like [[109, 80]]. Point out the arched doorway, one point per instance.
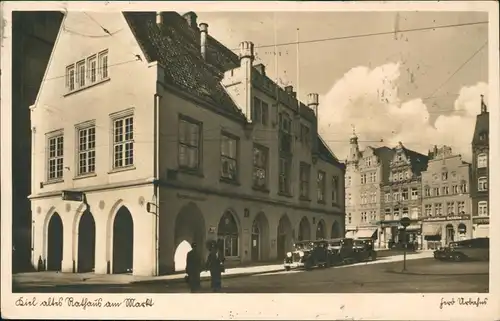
[[284, 241], [462, 231], [304, 230], [227, 232], [123, 241], [320, 230], [260, 238], [180, 255], [450, 233], [86, 243], [189, 229], [55, 243], [335, 233]]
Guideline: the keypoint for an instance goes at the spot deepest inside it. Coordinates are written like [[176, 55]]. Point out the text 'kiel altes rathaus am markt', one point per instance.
[[201, 146], [206, 147]]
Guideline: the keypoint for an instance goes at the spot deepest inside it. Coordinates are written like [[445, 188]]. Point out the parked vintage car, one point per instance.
[[364, 249], [307, 254], [341, 251], [473, 249]]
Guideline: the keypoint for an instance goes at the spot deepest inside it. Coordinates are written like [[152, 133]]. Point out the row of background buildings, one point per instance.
[[445, 197]]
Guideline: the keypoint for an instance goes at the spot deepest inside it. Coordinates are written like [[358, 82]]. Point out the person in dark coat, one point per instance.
[[193, 268], [214, 265]]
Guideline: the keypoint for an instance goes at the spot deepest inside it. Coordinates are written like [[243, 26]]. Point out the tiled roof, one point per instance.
[[174, 48]]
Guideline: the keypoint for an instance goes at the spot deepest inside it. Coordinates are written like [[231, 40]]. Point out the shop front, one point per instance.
[[392, 234], [480, 227], [441, 231]]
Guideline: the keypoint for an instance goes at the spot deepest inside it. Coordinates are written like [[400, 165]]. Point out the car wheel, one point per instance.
[[458, 257], [287, 268]]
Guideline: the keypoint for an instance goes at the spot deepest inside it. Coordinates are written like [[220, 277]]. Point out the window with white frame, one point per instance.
[[450, 208], [396, 213], [482, 208], [405, 211], [55, 160], [427, 191], [305, 175], [444, 176], [229, 157], [103, 65], [482, 160], [461, 207], [454, 189], [321, 186], [123, 142], [436, 191], [92, 69], [428, 210], [387, 196], [482, 184], [368, 161], [414, 193], [373, 177], [86, 150], [395, 195], [438, 209], [414, 213], [387, 213], [363, 178], [463, 188], [260, 165], [70, 77], [446, 190], [189, 144], [404, 194], [373, 197], [80, 74]]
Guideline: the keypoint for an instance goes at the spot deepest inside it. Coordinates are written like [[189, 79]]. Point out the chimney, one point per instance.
[[246, 65], [484, 108], [289, 89], [261, 69], [159, 18], [203, 39], [191, 19], [435, 151], [313, 102]]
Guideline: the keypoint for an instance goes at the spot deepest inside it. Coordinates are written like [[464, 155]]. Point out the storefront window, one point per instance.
[[228, 232]]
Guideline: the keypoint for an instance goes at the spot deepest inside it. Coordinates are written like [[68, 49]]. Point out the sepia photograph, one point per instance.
[[153, 154]]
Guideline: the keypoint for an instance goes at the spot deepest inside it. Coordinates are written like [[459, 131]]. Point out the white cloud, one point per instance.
[[368, 99]]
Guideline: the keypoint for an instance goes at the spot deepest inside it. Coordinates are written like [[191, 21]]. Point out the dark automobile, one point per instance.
[[473, 249], [307, 254], [341, 251], [364, 249]]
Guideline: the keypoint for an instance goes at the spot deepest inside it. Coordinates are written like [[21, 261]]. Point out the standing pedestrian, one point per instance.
[[193, 268], [215, 267]]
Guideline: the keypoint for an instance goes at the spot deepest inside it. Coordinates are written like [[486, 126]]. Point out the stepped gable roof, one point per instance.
[[174, 47]]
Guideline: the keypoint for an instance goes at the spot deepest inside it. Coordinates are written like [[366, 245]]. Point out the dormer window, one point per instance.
[[369, 161]]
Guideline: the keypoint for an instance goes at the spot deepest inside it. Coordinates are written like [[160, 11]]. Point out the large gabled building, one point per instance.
[[203, 147]]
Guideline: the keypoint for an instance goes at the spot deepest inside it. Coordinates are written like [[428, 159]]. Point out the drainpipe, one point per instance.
[[157, 178]]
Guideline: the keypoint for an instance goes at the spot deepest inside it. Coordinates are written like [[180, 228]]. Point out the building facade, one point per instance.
[[33, 37], [402, 196], [204, 147], [480, 174], [366, 171], [446, 202]]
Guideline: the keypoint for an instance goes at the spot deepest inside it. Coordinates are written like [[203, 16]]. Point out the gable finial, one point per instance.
[[484, 108]]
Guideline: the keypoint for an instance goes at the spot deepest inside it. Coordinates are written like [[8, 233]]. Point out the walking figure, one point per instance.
[[193, 268], [214, 265]]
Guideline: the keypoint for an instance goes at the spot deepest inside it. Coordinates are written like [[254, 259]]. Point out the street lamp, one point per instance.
[[405, 222]]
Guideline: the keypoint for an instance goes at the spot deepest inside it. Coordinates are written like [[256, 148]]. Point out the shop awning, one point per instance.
[[413, 227], [431, 229], [366, 232], [349, 234]]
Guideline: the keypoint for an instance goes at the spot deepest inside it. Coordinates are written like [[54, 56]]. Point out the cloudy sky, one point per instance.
[[418, 87]]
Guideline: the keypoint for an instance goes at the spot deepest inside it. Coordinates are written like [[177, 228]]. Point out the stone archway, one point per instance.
[[304, 230], [228, 234], [450, 233], [320, 230], [260, 238], [55, 243], [284, 241], [189, 229], [86, 243], [335, 233], [123, 241]]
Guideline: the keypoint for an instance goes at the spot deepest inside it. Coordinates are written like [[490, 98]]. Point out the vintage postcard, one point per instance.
[[250, 160]]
